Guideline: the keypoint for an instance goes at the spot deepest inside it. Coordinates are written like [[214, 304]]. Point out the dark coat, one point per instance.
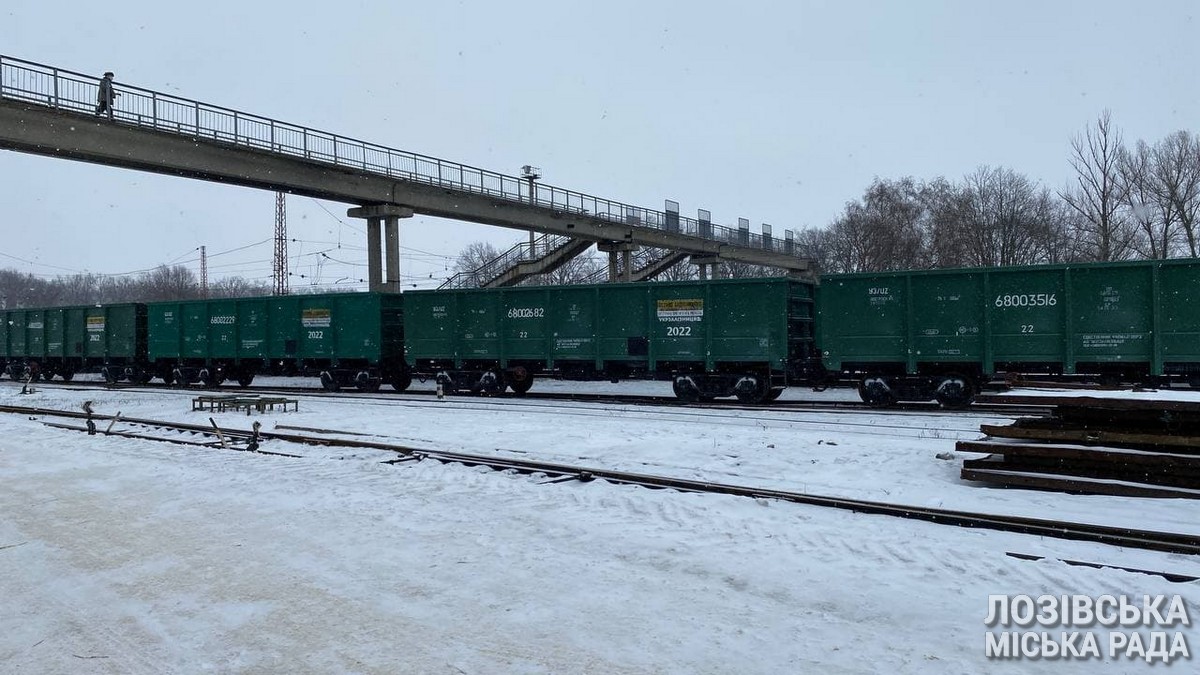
[[106, 93]]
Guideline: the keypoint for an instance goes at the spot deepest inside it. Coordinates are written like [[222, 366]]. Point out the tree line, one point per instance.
[[1135, 201], [20, 289]]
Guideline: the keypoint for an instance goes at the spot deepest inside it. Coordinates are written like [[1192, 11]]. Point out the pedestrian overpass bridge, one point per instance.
[[50, 111]]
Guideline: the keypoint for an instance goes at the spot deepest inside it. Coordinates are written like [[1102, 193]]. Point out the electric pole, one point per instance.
[[279, 268], [204, 271]]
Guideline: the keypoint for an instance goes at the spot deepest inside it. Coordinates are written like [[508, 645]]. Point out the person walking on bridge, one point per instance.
[[105, 97]]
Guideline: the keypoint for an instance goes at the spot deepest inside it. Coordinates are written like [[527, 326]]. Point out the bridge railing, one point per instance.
[[76, 92]]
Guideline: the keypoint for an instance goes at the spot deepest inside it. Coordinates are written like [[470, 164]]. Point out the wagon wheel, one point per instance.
[[773, 394], [401, 380], [364, 382], [67, 375], [446, 382], [520, 380], [954, 391], [685, 389], [245, 378], [209, 378], [752, 389], [874, 390], [492, 382], [329, 382]]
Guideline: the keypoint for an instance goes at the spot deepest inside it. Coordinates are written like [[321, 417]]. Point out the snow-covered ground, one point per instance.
[[127, 556]]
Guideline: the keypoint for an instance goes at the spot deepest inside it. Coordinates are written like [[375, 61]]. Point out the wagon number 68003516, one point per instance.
[[1027, 300]]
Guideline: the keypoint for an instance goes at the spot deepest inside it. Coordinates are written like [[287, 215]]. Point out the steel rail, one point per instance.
[[831, 407], [1115, 536]]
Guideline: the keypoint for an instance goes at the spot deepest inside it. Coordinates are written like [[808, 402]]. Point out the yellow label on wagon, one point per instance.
[[680, 310], [315, 318]]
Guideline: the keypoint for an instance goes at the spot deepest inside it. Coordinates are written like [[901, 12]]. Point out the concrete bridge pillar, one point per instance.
[[383, 220], [626, 249], [374, 279], [707, 264]]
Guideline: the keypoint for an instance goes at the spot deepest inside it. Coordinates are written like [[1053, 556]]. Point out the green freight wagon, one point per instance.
[[744, 337], [345, 338], [65, 340], [941, 333], [26, 344]]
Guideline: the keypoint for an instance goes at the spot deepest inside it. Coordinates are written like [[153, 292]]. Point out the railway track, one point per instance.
[[858, 407], [881, 422], [558, 472]]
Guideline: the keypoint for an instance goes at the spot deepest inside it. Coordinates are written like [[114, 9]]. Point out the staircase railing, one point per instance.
[[522, 252], [641, 259]]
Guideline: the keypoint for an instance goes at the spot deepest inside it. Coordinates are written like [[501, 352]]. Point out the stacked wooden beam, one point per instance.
[[1093, 445]]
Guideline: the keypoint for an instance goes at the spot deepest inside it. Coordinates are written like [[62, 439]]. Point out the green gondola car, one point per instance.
[[344, 338], [61, 341], [743, 337], [941, 333]]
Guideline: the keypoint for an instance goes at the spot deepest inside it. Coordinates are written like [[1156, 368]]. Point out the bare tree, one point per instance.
[[947, 205], [473, 260], [169, 283], [1098, 194], [1005, 219], [82, 289], [238, 287], [813, 243], [1150, 208], [883, 231], [577, 270], [19, 289], [474, 256], [684, 270], [1175, 163]]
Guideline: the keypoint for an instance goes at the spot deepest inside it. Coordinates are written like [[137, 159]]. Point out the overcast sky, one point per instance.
[[779, 112]]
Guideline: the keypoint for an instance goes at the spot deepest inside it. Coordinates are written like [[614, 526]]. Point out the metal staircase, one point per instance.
[[646, 263], [546, 254]]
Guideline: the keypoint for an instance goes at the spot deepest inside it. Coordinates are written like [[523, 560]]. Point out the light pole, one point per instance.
[[530, 174]]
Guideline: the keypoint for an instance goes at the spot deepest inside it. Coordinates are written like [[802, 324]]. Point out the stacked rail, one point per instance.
[[1090, 445]]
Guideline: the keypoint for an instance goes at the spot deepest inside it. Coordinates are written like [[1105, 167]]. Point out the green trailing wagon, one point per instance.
[[344, 338], [942, 333], [61, 341], [746, 337]]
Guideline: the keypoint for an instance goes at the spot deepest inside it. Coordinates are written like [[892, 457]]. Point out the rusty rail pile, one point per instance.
[[1092, 445]]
